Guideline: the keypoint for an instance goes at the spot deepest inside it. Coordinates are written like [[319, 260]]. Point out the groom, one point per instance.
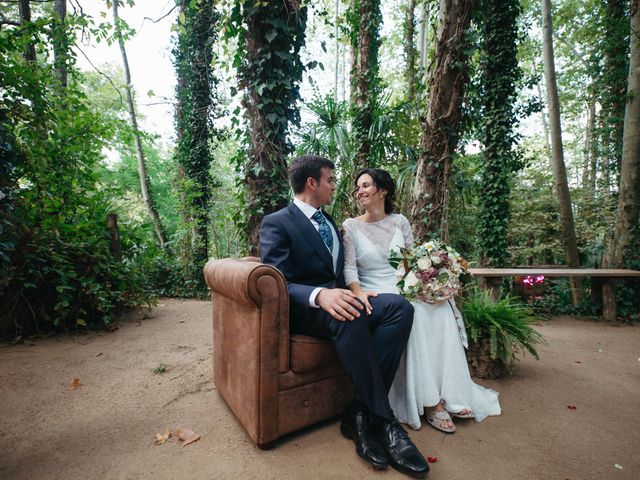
[[304, 244]]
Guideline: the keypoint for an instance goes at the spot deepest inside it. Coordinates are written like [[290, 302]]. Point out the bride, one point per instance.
[[433, 372]]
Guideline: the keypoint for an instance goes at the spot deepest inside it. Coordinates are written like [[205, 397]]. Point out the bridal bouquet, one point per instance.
[[429, 272]]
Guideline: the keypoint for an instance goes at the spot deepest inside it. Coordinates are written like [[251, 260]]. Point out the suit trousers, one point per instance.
[[370, 346]]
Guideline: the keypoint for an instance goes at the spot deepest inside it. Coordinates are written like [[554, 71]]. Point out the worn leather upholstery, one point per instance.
[[274, 382]]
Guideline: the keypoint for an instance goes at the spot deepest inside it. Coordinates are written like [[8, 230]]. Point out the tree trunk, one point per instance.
[[270, 111], [422, 36], [142, 170], [628, 211], [336, 32], [61, 42], [24, 9], [441, 124], [365, 81], [410, 51], [557, 154]]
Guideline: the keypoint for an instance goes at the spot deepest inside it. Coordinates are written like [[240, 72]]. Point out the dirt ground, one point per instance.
[[105, 428]]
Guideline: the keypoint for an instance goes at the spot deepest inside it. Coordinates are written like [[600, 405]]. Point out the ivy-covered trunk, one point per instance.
[[195, 93], [500, 73], [628, 212], [441, 122], [557, 152], [270, 37], [365, 83]]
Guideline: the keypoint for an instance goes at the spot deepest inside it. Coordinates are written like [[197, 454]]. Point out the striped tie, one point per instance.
[[323, 229]]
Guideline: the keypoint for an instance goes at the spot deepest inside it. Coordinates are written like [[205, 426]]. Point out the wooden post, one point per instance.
[[112, 225], [609, 306]]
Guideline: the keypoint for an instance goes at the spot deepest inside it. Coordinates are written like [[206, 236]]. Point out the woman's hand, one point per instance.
[[364, 298]]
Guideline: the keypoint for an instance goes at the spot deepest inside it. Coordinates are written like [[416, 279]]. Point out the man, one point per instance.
[[304, 244]]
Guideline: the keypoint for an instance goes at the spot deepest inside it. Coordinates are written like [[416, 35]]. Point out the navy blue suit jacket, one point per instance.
[[290, 242]]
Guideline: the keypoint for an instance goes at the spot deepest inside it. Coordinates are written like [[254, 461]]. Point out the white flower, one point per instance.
[[411, 280], [400, 271], [424, 263], [435, 259]]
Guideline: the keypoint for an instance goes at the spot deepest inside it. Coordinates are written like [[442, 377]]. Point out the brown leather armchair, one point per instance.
[[274, 382]]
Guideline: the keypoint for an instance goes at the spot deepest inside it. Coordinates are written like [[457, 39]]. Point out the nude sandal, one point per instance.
[[435, 419]]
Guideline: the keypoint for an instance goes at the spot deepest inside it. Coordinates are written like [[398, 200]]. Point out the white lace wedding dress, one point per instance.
[[434, 366]]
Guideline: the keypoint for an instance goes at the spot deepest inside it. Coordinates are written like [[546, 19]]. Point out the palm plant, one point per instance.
[[498, 330]]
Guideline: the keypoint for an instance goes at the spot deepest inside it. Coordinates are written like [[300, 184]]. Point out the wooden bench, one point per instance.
[[491, 278]]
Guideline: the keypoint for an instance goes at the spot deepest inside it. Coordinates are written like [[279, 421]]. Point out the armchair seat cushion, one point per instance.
[[310, 353]]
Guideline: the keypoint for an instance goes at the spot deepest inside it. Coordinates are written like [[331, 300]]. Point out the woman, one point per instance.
[[434, 371]]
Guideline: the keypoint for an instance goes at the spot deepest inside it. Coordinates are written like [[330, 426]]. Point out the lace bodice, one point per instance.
[[366, 248]]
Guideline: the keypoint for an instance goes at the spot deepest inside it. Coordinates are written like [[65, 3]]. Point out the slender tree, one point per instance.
[[410, 50], [441, 122], [270, 37], [628, 211], [195, 110], [24, 9], [142, 169], [60, 42], [500, 74], [557, 153], [365, 82]]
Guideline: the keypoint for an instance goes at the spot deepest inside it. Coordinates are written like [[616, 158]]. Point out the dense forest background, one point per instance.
[[512, 127]]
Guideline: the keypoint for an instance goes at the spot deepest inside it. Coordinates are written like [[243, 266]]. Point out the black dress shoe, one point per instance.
[[357, 427], [403, 455]]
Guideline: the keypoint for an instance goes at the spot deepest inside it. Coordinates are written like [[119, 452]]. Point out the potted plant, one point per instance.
[[498, 330]]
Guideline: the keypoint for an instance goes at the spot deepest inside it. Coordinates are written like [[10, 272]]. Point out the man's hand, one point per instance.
[[341, 304]]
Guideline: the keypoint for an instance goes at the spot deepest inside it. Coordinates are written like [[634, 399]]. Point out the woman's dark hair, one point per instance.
[[307, 166], [383, 181]]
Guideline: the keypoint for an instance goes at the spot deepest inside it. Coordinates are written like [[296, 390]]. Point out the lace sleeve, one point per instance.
[[350, 255], [405, 227]]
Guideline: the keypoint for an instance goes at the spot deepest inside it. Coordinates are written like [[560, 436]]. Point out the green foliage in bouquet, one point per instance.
[[498, 330]]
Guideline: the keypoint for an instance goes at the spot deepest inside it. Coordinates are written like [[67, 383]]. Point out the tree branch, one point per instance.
[[161, 18], [101, 73]]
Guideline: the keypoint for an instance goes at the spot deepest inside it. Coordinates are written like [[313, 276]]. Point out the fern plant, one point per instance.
[[497, 330]]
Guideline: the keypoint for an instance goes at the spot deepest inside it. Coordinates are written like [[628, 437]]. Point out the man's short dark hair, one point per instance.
[[307, 166]]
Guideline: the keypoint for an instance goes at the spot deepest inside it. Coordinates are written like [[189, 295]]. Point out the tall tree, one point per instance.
[[60, 42], [500, 74], [365, 82], [410, 49], [441, 122], [24, 9], [270, 37], [557, 153], [628, 211], [142, 169], [195, 94]]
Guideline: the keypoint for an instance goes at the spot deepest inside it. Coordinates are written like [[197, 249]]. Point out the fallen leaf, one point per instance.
[[571, 407], [98, 354], [618, 466], [181, 321], [432, 459], [160, 439], [74, 384], [578, 361], [187, 436]]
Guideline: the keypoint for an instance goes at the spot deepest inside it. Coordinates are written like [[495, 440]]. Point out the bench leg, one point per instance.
[[609, 307], [492, 284]]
